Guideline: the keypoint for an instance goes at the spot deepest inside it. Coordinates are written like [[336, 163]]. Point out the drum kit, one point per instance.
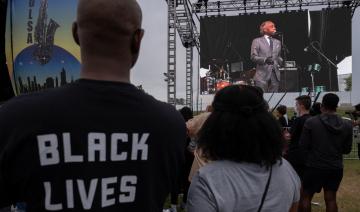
[[219, 76]]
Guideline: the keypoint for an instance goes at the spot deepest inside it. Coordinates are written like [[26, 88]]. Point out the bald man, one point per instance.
[[99, 144]]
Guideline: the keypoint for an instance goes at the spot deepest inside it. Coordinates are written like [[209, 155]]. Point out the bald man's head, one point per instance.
[[108, 28]]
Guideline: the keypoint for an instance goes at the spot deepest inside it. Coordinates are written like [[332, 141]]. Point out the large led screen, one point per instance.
[[310, 51]]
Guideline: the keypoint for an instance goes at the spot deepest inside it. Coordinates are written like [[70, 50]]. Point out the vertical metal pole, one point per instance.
[[198, 85], [189, 77], [171, 74]]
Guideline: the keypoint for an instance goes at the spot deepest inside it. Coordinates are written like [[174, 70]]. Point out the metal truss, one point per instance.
[[207, 6], [185, 25], [180, 20], [171, 72], [189, 77]]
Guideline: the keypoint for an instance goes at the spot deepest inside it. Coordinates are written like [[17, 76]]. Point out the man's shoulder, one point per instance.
[[258, 39], [163, 112], [163, 107], [39, 97], [348, 124], [303, 118], [312, 119], [26, 100]]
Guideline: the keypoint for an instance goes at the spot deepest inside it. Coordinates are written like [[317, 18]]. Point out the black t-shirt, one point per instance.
[[295, 154], [91, 145]]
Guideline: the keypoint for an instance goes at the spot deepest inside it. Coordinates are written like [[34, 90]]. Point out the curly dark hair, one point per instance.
[[241, 129]]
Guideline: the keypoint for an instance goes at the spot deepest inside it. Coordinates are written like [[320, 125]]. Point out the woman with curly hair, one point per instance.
[[244, 143]]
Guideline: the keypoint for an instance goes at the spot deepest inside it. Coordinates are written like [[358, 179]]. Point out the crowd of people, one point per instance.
[[101, 144]]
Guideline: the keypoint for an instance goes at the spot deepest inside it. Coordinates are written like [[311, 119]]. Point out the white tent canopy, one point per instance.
[[345, 66]]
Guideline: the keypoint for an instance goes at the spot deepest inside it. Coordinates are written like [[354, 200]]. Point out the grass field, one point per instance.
[[348, 195]]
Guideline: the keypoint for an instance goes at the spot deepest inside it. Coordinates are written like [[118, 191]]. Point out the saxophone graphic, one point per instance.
[[44, 35]]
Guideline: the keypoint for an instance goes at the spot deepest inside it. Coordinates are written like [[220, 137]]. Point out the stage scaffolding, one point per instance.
[[181, 16], [203, 7]]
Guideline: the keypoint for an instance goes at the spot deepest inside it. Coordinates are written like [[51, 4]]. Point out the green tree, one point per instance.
[[348, 82]]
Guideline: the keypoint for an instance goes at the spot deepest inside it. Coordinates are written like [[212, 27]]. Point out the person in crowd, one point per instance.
[[325, 138], [315, 109], [184, 183], [281, 115], [295, 154], [356, 123], [244, 143], [292, 119], [357, 109], [99, 144], [193, 126], [266, 54], [187, 114]]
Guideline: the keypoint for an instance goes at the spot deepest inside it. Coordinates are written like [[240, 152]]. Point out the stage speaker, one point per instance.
[[289, 80]]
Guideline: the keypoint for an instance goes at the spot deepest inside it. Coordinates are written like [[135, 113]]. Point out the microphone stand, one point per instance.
[[327, 59]]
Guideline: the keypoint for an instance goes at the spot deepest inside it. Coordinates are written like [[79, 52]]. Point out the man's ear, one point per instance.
[[135, 45], [75, 33], [136, 41]]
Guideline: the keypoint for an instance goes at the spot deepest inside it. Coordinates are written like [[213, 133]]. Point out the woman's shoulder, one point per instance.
[[227, 168], [286, 170]]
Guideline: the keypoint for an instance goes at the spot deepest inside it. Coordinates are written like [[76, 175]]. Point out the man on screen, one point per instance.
[[265, 53]]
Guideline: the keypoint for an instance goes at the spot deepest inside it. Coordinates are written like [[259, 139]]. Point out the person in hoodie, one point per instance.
[[325, 138]]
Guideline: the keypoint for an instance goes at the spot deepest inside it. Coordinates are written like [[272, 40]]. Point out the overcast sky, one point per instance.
[[153, 57]]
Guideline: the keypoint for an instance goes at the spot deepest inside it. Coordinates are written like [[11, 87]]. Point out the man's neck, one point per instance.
[[102, 77], [303, 112], [330, 112], [105, 70]]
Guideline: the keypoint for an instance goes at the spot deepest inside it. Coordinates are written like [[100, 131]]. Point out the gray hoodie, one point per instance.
[[326, 138]]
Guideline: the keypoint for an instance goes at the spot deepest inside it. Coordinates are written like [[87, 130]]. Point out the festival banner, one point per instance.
[[40, 49]]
